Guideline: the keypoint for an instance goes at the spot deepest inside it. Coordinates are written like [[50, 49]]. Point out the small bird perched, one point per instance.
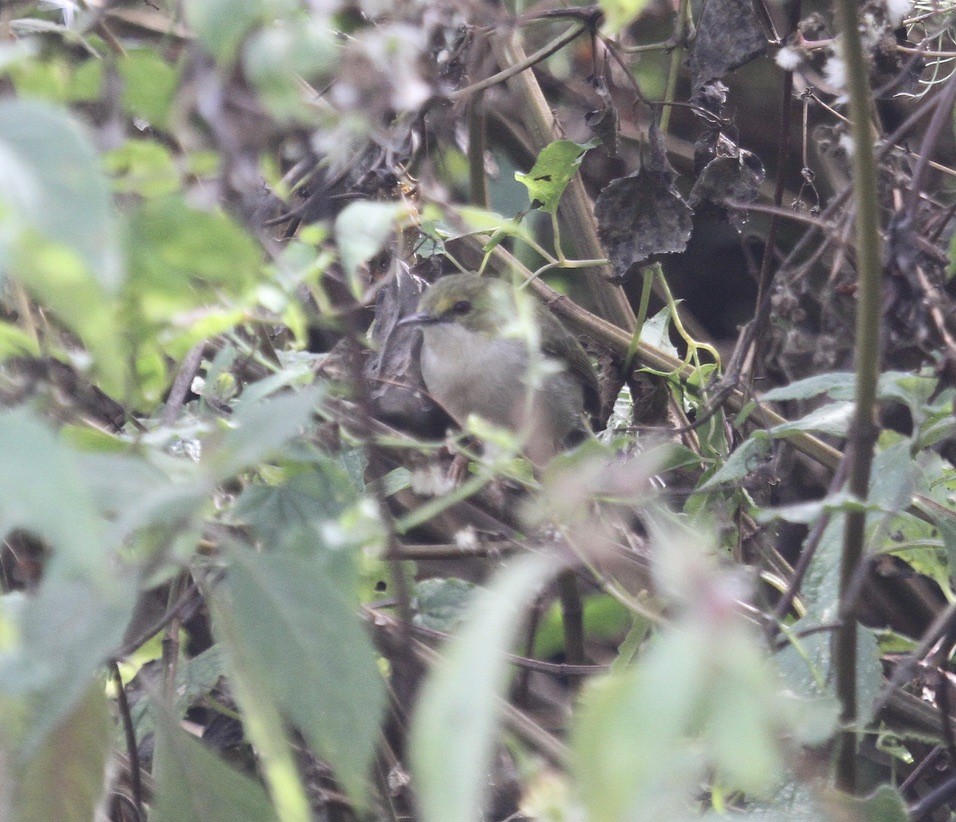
[[487, 352]]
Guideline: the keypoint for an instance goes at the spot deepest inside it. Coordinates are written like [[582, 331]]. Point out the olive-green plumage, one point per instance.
[[475, 360]]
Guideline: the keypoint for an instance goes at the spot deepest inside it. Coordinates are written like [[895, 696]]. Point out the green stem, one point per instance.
[[868, 315], [692, 345], [674, 68], [646, 288]]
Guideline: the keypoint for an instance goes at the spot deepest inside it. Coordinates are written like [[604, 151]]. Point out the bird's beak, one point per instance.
[[420, 318]]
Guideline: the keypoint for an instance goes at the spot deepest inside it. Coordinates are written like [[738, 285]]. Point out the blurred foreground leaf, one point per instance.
[[452, 737], [302, 633], [194, 785]]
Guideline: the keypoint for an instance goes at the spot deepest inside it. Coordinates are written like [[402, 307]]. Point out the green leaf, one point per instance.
[[893, 478], [222, 24], [869, 674], [259, 429], [361, 230], [308, 498], [64, 634], [78, 615], [149, 83], [629, 758], [58, 81], [483, 221], [143, 167], [820, 590], [833, 418], [132, 493], [302, 631], [807, 513], [16, 343], [440, 603], [604, 618], [908, 388], [51, 183], [947, 530], [619, 14], [952, 257], [63, 780], [453, 731], [262, 722], [16, 53], [181, 258], [42, 491], [884, 805], [740, 463], [57, 278], [838, 381], [806, 802], [656, 332], [276, 57], [551, 173], [192, 784]]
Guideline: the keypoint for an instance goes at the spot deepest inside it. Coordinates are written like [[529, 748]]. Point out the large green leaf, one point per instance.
[[308, 498], [193, 785], [57, 231], [42, 491], [453, 732], [149, 83], [63, 780], [65, 632], [818, 802], [301, 629], [51, 183], [263, 725], [884, 805], [70, 625], [182, 258], [702, 698], [61, 283]]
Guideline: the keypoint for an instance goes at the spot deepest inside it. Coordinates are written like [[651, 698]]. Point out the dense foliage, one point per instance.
[[251, 571]]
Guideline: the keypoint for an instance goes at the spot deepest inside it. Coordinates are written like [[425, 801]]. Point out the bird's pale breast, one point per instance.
[[468, 372]]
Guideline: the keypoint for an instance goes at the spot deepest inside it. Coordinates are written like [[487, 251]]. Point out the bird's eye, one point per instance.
[[461, 307]]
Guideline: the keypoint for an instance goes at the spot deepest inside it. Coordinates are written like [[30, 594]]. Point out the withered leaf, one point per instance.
[[735, 178], [643, 214], [728, 36]]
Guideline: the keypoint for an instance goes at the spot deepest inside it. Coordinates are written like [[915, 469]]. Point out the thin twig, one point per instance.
[[180, 610], [762, 318], [526, 662], [809, 550], [477, 180], [941, 117], [182, 383], [516, 68], [519, 723], [129, 732], [572, 617]]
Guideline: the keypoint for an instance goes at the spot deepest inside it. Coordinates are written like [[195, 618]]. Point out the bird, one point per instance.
[[492, 350]]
